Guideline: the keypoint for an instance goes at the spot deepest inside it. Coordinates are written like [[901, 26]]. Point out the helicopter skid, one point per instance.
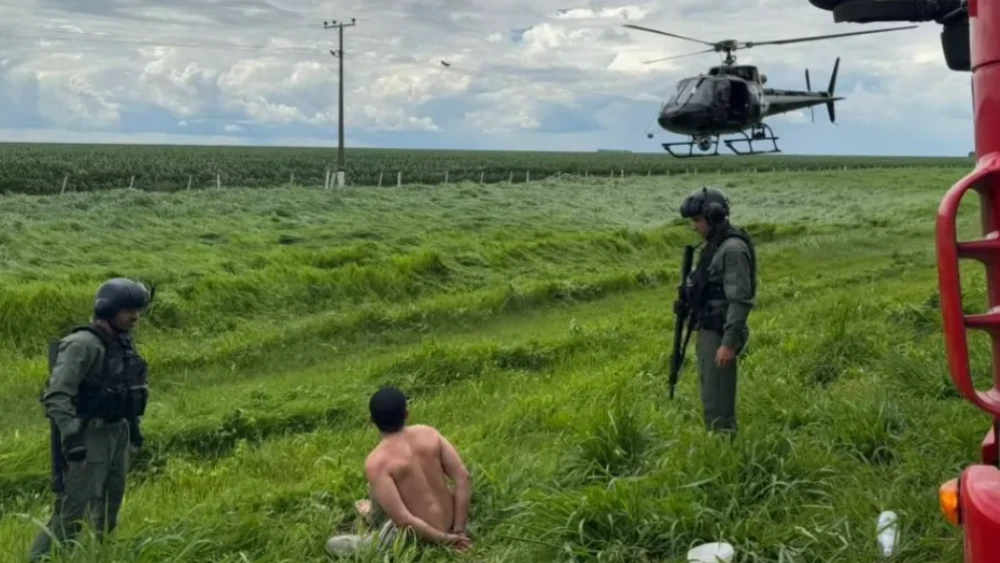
[[758, 133], [704, 143], [700, 143]]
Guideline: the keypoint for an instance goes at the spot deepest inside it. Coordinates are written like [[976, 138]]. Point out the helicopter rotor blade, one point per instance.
[[651, 30], [678, 56], [820, 37]]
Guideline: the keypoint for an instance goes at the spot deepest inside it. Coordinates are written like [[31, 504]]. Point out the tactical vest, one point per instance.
[[121, 390], [706, 290]]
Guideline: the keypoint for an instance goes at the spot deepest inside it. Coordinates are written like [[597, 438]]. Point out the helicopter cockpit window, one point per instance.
[[685, 89]]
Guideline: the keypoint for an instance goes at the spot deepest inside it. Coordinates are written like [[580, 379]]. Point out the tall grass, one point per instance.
[[532, 326]]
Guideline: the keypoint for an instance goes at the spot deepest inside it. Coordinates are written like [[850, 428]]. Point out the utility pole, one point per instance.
[[339, 53]]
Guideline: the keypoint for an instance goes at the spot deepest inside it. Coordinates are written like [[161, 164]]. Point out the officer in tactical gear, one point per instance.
[[720, 295], [95, 398]]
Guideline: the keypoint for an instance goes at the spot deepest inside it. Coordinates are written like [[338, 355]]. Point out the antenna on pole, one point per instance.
[[339, 53]]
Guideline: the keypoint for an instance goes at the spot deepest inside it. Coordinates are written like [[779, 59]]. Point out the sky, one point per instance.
[[523, 75]]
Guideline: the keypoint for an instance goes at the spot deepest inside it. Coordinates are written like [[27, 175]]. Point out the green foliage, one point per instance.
[[41, 168], [530, 323]]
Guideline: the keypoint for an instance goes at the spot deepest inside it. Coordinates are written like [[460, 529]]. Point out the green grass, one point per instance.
[[531, 324], [43, 168]]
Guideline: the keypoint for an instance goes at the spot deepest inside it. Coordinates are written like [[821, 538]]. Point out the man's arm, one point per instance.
[[387, 495], [737, 286], [72, 364], [455, 469]]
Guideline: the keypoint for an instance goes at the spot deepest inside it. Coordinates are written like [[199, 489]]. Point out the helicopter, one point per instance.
[[730, 98]]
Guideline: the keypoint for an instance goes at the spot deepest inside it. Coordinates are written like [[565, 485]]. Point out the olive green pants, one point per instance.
[[718, 385], [93, 488]]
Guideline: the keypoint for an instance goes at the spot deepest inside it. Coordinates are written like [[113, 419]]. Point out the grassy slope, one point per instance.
[[530, 324]]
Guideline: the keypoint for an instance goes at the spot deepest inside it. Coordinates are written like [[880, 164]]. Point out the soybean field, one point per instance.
[[530, 323], [53, 168]]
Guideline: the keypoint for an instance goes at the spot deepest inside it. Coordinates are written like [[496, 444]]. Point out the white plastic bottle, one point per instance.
[[888, 532], [711, 553]]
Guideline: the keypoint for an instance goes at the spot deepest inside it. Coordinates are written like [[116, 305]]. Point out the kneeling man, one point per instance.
[[407, 477]]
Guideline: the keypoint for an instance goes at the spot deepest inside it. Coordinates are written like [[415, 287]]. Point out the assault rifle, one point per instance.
[[682, 311]]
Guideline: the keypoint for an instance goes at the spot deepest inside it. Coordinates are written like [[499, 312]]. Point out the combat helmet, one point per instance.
[[708, 202], [120, 293]]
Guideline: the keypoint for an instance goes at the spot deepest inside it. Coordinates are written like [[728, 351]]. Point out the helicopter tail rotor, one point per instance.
[[812, 111], [829, 91]]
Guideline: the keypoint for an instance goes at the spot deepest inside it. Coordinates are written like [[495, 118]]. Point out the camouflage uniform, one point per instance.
[[722, 290], [95, 398]]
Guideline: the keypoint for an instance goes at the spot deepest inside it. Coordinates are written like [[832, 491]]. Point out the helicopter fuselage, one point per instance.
[[726, 104], [731, 99]]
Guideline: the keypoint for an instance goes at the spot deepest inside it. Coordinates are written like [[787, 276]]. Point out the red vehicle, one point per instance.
[[972, 500], [970, 39]]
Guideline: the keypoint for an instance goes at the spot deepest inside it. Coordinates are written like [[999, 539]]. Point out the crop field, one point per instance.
[[43, 169], [530, 323]]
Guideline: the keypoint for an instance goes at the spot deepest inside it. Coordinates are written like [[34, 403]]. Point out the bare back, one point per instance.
[[415, 460]]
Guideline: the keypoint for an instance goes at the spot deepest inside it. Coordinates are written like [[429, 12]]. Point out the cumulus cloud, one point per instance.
[[443, 68]]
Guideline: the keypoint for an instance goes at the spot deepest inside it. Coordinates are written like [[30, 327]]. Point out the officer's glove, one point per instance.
[[74, 448], [135, 436], [680, 307]]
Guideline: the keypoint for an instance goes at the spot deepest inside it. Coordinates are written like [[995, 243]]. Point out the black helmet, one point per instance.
[[707, 202], [120, 293]]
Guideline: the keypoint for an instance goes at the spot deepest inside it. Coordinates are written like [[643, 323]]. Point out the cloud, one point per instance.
[[538, 73]]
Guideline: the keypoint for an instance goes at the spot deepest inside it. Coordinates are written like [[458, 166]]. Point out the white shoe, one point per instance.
[[342, 545]]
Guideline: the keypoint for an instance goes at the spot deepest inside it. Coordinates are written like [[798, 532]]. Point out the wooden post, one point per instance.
[[326, 182], [189, 181], [511, 179], [65, 181], [291, 179], [481, 175], [527, 176], [380, 179], [131, 182], [218, 180], [445, 176], [399, 179]]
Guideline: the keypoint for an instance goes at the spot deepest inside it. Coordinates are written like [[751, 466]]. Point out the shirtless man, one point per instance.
[[407, 473]]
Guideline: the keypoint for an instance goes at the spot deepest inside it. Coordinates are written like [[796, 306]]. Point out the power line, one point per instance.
[[339, 53]]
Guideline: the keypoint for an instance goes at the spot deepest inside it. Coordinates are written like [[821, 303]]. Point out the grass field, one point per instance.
[[43, 168], [531, 324]]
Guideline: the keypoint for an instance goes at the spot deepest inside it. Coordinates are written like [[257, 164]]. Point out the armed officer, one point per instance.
[[95, 398], [721, 292]]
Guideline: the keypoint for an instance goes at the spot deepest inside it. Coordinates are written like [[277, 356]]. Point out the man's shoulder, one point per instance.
[[423, 430], [376, 460], [733, 243], [82, 336]]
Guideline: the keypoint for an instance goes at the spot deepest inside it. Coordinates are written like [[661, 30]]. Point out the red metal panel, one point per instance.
[[980, 502], [984, 180], [979, 486], [984, 27]]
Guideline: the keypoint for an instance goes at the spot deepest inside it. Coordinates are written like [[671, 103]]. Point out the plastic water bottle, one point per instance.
[[888, 532], [720, 552]]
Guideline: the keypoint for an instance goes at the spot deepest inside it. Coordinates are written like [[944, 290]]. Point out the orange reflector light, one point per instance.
[[948, 497]]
